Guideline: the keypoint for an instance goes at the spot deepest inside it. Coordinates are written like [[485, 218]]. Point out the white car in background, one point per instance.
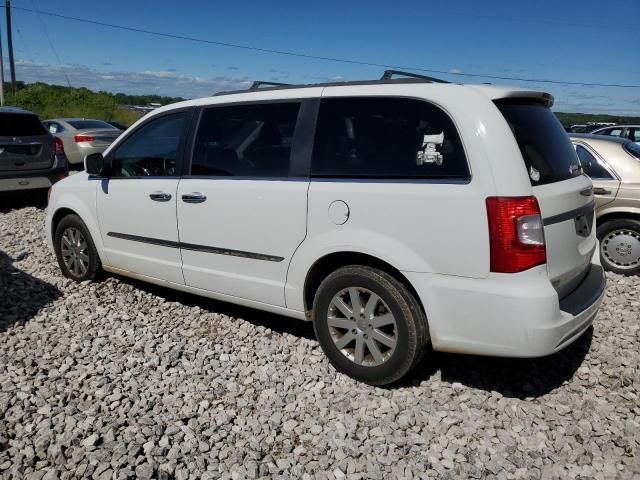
[[394, 214], [630, 132], [82, 137]]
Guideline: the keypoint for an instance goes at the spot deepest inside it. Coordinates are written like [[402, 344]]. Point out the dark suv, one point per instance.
[[30, 157]]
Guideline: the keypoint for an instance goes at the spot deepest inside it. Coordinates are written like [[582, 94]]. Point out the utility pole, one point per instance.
[[1, 71], [12, 65]]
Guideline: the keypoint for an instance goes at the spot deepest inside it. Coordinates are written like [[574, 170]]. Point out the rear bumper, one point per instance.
[[510, 315], [24, 183], [34, 179], [578, 310]]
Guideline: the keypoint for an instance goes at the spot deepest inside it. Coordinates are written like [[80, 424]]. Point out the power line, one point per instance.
[[46, 34], [25, 45], [324, 58]]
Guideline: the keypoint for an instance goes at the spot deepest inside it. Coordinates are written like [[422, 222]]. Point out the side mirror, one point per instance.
[[94, 164]]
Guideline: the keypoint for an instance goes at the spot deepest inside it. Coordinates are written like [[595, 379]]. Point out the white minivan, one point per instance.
[[397, 215]]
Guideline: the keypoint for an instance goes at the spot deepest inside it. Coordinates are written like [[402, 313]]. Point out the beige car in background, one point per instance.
[[82, 137], [614, 166]]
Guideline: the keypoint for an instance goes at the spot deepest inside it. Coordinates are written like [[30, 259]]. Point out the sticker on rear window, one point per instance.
[[430, 154]]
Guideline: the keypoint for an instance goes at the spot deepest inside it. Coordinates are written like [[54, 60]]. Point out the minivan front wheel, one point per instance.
[[369, 324], [620, 246], [75, 251]]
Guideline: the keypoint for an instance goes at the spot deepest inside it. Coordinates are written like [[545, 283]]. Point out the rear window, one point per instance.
[[546, 149], [20, 125], [633, 149], [85, 124]]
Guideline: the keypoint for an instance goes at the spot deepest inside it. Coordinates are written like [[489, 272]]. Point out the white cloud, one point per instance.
[[455, 71], [161, 82]]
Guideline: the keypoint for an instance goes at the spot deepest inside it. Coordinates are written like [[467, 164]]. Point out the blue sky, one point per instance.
[[572, 40]]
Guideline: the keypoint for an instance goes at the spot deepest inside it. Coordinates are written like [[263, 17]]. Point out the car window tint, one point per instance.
[[545, 147], [371, 137], [152, 150], [590, 164], [245, 140], [614, 132], [20, 125], [633, 149], [88, 124], [635, 134]]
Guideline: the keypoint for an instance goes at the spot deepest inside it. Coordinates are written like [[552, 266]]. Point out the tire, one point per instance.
[[620, 246], [333, 328], [68, 229]]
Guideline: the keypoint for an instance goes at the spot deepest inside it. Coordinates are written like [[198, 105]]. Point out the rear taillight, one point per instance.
[[59, 146], [516, 234], [84, 138]]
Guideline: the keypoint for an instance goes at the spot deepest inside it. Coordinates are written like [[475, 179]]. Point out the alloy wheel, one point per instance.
[[75, 252], [362, 326]]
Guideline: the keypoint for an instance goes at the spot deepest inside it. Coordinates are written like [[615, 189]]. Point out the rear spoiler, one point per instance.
[[509, 95], [527, 96]]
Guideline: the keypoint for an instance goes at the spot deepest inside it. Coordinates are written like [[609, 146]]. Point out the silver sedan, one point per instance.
[[81, 137]]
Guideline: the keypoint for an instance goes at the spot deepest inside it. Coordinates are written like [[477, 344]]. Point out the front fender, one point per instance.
[[80, 198]]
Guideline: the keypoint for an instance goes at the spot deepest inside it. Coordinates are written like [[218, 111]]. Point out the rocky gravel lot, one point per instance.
[[120, 379]]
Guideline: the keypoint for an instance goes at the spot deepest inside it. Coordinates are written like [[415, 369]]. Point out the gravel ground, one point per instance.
[[120, 379]]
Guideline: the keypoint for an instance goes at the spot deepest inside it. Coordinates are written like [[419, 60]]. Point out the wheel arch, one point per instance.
[[332, 261], [618, 215], [64, 210], [58, 215]]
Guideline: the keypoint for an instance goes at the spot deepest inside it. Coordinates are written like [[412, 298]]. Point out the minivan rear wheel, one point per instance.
[[620, 246], [76, 253], [369, 324]]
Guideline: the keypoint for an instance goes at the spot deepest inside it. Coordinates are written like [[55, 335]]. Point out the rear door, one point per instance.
[[242, 211], [605, 183], [137, 204], [564, 193], [24, 143]]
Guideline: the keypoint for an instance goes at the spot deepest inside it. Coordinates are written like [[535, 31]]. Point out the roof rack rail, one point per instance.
[[388, 75], [257, 84]]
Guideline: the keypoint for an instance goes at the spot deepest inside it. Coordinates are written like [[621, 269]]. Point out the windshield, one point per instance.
[[86, 124], [546, 149], [20, 125]]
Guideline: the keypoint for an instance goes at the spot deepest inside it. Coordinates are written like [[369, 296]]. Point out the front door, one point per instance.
[[242, 212], [137, 203]]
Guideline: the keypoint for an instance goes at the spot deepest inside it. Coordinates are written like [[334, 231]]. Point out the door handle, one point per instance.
[[601, 191], [194, 197], [160, 196]]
